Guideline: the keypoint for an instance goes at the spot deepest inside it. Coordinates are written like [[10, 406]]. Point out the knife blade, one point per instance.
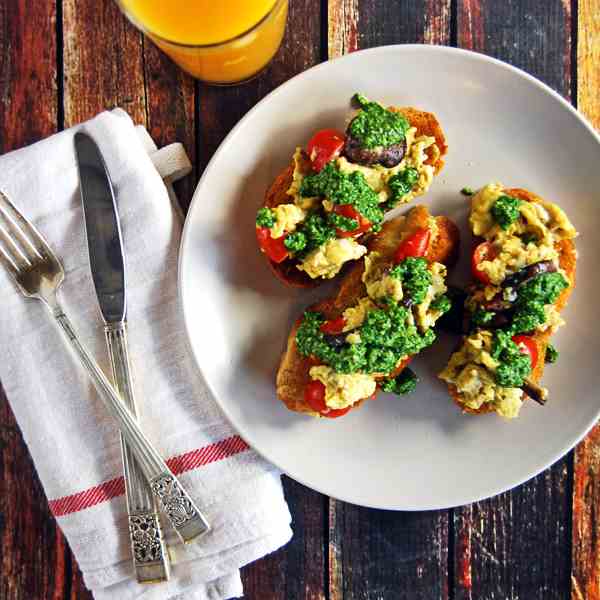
[[103, 230], [107, 263]]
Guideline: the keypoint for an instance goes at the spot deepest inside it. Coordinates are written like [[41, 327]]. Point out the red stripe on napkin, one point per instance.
[[178, 464]]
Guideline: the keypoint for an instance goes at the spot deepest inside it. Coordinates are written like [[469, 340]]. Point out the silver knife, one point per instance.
[[108, 272]]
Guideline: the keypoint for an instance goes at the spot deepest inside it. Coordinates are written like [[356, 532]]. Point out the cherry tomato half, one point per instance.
[[348, 211], [324, 146], [274, 248], [333, 326], [527, 345], [334, 413], [314, 396], [414, 245], [485, 251]]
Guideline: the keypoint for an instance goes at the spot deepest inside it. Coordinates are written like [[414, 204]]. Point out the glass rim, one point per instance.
[[151, 33]]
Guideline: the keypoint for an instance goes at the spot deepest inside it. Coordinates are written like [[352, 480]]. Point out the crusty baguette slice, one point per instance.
[[567, 261], [292, 375], [426, 124]]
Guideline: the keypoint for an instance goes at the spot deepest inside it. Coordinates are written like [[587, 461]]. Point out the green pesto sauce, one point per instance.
[[515, 366], [506, 211], [375, 126], [531, 298], [442, 304], [341, 222], [481, 317], [551, 354], [265, 217], [386, 337], [401, 184], [405, 383], [415, 276], [344, 188]]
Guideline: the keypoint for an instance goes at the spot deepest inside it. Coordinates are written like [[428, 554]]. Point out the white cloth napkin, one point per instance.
[[73, 442]]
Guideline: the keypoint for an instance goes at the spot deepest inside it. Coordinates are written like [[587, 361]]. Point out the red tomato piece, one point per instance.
[[334, 413], [528, 346], [485, 251], [414, 245], [314, 396], [348, 211], [333, 326], [324, 146], [274, 248]]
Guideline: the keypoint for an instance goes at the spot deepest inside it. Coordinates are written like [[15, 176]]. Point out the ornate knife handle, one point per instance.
[[150, 555], [175, 500]]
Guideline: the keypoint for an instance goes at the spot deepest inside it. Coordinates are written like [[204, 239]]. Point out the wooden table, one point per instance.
[[62, 62]]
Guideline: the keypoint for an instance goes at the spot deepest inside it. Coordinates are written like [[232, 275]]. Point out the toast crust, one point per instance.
[[567, 258], [293, 374], [426, 124]]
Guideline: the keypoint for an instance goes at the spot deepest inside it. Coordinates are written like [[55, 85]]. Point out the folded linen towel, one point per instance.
[[73, 441]]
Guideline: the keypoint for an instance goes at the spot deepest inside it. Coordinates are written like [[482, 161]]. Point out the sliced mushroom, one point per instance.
[[535, 391], [388, 156], [527, 273]]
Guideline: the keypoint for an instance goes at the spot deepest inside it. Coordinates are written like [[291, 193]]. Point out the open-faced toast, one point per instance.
[[426, 140], [293, 375], [538, 339]]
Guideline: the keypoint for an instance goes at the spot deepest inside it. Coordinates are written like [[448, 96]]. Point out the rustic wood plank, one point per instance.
[[585, 578], [170, 107], [385, 555], [516, 545], [298, 570], [103, 62], [353, 25], [378, 554], [33, 554]]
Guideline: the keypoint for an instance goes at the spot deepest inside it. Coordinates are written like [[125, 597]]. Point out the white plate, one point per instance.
[[415, 452]]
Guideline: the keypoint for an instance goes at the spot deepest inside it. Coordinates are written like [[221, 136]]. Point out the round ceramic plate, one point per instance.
[[418, 451]]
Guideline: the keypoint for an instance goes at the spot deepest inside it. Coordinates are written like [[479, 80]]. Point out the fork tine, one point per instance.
[[12, 250], [29, 239], [7, 263]]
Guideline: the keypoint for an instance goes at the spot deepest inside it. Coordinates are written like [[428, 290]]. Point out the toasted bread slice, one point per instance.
[[426, 124], [293, 373], [567, 262]]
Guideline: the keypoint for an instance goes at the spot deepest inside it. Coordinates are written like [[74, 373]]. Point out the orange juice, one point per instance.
[[219, 41]]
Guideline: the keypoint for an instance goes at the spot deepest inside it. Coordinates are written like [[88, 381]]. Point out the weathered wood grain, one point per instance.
[[170, 110], [355, 25], [103, 62], [33, 553], [516, 545], [585, 580], [297, 571], [378, 554], [385, 555], [28, 107]]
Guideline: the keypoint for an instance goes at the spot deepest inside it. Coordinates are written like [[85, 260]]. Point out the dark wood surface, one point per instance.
[[62, 62]]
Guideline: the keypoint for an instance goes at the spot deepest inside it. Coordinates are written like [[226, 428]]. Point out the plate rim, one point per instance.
[[182, 262]]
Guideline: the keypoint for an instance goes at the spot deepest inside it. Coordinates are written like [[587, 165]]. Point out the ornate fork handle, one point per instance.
[[187, 520]]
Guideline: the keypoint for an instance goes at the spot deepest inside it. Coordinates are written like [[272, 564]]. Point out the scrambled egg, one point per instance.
[[378, 282], [544, 220], [377, 176], [553, 319], [424, 314], [341, 389], [287, 217], [302, 167], [355, 315], [327, 260], [471, 369]]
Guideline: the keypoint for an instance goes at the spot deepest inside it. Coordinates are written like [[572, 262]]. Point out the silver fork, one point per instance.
[[38, 274]]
